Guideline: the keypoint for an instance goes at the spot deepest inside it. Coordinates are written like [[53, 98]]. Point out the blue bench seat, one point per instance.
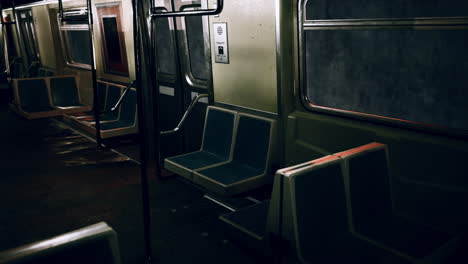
[[32, 99], [127, 122], [102, 90], [198, 159], [230, 173], [372, 216], [251, 162], [65, 94], [216, 144], [112, 95], [122, 121]]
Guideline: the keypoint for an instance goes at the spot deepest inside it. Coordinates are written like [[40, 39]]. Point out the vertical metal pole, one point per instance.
[[94, 76], [142, 136], [6, 53], [5, 49], [21, 51], [60, 4], [154, 83], [145, 102]]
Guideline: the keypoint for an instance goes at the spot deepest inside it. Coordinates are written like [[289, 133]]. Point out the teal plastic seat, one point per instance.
[[319, 214], [102, 90], [110, 99], [372, 215], [127, 116], [216, 144], [33, 95], [251, 161], [64, 92]]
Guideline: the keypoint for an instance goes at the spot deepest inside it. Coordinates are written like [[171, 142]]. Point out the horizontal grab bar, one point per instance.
[[68, 16], [205, 12], [186, 114]]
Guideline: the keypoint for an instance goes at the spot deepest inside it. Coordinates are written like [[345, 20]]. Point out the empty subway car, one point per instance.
[[309, 131]]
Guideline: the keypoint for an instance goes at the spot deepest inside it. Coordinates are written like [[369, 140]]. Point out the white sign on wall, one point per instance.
[[221, 44]]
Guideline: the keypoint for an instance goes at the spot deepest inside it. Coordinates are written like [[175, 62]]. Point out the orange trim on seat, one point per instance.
[[352, 151]]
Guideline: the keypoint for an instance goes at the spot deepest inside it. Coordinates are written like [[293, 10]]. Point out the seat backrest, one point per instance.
[[366, 170], [253, 141], [93, 244], [32, 93], [64, 91], [319, 209], [219, 130], [102, 90], [113, 95], [128, 107]]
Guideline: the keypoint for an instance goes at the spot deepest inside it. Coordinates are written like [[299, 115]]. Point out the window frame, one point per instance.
[[189, 76], [165, 6], [107, 10], [371, 24], [64, 39]]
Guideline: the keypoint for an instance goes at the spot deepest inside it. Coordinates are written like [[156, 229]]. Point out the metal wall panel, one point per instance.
[[249, 80]]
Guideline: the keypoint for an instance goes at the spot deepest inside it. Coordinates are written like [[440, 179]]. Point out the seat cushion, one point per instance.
[[115, 125], [110, 116], [410, 238], [198, 159], [230, 173], [87, 113], [36, 108]]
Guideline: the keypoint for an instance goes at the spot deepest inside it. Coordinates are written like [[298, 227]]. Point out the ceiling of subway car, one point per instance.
[[9, 3]]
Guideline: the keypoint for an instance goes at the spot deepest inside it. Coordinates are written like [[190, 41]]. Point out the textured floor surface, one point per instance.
[[52, 180]]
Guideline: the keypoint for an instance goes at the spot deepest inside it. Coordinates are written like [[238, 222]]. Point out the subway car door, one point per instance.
[[195, 66], [169, 81]]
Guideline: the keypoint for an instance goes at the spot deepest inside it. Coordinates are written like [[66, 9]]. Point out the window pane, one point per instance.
[[417, 75], [354, 9], [78, 46], [112, 40], [196, 46], [165, 48]]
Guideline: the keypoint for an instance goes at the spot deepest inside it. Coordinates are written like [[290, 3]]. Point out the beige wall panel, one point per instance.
[[249, 80]]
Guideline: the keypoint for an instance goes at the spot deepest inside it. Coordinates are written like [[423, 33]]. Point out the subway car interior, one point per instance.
[[234, 131]]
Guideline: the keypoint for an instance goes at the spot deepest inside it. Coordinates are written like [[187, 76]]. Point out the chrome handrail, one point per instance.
[[184, 117], [119, 102]]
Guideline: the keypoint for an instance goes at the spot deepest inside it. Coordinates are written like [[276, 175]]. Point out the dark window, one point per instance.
[[417, 75], [356, 9], [164, 47], [111, 35], [113, 42], [412, 74], [78, 46], [76, 40], [196, 47]]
